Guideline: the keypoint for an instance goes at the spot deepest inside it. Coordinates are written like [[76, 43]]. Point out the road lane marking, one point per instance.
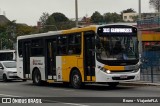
[[9, 95]]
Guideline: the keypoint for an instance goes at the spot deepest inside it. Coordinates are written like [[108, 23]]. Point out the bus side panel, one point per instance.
[[59, 68], [38, 62], [20, 67], [70, 62]]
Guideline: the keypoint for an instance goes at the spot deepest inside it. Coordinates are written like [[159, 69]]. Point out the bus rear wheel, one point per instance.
[[37, 77], [76, 79]]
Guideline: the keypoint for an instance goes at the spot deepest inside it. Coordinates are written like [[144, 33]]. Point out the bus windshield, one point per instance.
[[117, 47]]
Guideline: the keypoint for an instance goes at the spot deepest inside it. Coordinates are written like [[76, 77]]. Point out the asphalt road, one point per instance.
[[90, 95]]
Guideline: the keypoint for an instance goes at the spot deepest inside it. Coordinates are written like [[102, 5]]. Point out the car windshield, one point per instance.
[[117, 48], [9, 64]]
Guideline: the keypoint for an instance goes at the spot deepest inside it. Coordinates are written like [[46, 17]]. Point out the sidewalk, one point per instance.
[[141, 83]]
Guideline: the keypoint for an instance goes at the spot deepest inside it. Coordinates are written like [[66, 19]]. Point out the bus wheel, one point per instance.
[[5, 78], [37, 77], [113, 84], [76, 79]]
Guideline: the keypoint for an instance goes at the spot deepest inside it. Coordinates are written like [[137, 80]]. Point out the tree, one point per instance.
[[22, 29], [7, 35], [155, 4], [112, 17], [96, 17], [44, 18], [130, 10], [55, 21]]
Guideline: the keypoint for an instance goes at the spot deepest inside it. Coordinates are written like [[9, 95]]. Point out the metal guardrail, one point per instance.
[[150, 69]]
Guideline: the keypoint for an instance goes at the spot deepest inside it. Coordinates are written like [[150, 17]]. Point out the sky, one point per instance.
[[29, 11]]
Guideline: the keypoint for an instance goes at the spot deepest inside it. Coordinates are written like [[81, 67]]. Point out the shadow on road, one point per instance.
[[96, 87], [12, 81]]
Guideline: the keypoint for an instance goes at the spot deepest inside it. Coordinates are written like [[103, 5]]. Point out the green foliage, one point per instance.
[[112, 17], [57, 21], [96, 17], [24, 30], [59, 17], [130, 10], [7, 35], [44, 18], [10, 31]]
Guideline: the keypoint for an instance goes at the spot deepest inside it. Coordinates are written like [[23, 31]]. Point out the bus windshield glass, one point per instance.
[[117, 47]]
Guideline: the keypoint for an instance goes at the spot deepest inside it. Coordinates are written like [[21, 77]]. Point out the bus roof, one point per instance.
[[58, 32], [72, 30], [40, 35]]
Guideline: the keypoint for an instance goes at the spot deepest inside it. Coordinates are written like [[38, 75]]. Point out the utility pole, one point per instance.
[[76, 12], [140, 9], [139, 30]]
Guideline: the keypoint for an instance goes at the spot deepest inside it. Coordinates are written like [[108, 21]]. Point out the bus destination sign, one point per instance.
[[117, 30]]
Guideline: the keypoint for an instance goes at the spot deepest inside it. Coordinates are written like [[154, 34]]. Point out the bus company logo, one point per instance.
[[6, 100], [37, 62]]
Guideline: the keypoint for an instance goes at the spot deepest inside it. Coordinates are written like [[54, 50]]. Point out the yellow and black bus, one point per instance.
[[92, 54]]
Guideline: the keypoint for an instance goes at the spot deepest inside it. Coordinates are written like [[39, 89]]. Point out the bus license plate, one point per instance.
[[123, 77]]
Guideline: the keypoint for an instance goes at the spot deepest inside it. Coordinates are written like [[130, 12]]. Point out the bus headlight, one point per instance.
[[108, 71], [104, 70]]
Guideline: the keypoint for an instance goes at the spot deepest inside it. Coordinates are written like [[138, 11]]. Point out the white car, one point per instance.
[[8, 70]]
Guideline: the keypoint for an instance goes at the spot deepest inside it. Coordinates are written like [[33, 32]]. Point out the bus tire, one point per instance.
[[76, 79], [113, 84], [37, 77], [5, 78]]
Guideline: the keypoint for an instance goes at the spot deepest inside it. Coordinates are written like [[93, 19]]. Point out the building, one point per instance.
[[129, 17], [3, 20]]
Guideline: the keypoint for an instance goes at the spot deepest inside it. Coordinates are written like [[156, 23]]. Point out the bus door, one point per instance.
[[26, 58], [51, 58], [89, 55]]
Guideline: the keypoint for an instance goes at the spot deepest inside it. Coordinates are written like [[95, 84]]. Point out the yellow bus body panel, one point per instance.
[[114, 68], [75, 61], [76, 30], [70, 62]]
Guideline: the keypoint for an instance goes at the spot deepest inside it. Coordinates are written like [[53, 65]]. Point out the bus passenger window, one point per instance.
[[20, 48], [62, 45], [74, 44]]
